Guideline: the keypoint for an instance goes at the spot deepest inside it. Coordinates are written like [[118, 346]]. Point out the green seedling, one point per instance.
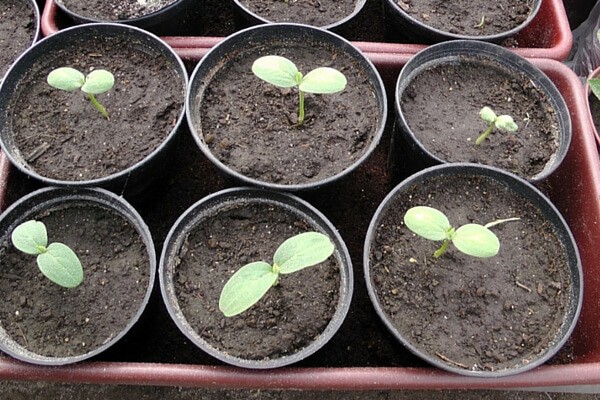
[[502, 122], [472, 239], [281, 72], [251, 282], [57, 261], [481, 22], [97, 81]]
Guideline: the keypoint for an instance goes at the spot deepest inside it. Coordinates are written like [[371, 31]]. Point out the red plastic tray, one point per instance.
[[575, 189], [548, 36]]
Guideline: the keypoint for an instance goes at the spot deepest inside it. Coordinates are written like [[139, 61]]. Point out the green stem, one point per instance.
[[301, 108], [438, 253], [485, 133], [98, 106]]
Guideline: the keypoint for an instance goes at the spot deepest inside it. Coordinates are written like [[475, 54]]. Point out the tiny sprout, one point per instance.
[[472, 239], [481, 23], [503, 122], [56, 261], [251, 282], [97, 81], [281, 72]]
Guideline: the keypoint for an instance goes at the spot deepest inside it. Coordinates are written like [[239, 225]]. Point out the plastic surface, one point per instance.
[[132, 181], [224, 200], [513, 184], [548, 36], [585, 54], [574, 188], [50, 198], [473, 51]]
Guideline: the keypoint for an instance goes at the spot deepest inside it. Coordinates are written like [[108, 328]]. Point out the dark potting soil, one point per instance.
[[53, 321], [469, 17], [251, 126], [17, 31], [107, 10], [311, 12], [288, 318], [442, 104], [467, 312], [62, 136]]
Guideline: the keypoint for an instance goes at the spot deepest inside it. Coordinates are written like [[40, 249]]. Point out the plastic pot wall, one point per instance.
[[52, 198], [587, 93], [209, 208], [132, 181], [470, 51], [446, 176], [279, 35], [573, 188], [548, 36]]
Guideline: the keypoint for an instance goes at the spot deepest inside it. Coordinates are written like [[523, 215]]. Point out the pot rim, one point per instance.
[[48, 197], [545, 206], [213, 204], [194, 95]]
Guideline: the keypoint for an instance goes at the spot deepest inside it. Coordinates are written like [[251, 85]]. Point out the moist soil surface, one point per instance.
[[114, 10], [53, 321], [288, 318], [310, 12], [17, 31], [472, 313], [61, 135], [251, 126], [469, 17], [442, 103]]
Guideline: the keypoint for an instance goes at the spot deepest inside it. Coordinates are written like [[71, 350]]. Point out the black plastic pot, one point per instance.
[[253, 18], [262, 37], [131, 182], [448, 175], [403, 163], [423, 33], [162, 22], [238, 199], [48, 200]]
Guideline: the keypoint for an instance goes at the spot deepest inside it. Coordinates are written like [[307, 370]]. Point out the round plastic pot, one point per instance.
[[514, 184], [418, 156], [131, 182], [160, 22], [53, 198], [421, 32], [258, 37], [239, 197], [253, 18]]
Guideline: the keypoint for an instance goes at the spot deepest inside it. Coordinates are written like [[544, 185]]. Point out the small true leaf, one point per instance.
[[487, 115], [323, 80], [476, 240], [98, 81], [301, 251], [506, 123], [427, 222], [66, 78], [61, 265], [277, 70], [248, 285], [30, 237]]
